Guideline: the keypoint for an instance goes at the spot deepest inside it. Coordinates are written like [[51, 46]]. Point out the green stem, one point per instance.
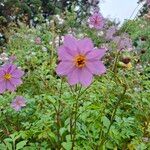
[[53, 44], [58, 111], [115, 63], [74, 124]]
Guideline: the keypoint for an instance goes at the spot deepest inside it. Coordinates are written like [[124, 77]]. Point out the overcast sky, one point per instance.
[[120, 9]]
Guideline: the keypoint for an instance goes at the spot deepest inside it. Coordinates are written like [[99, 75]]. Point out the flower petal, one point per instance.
[[10, 86], [85, 77], [85, 45], [8, 68], [71, 43], [64, 54], [15, 81], [2, 75], [64, 67], [16, 107], [12, 68], [96, 67], [2, 87], [73, 77], [17, 73], [96, 54]]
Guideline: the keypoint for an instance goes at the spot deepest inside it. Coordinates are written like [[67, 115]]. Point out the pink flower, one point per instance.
[[79, 60], [148, 2], [37, 40], [10, 77], [18, 103], [110, 33], [96, 21], [123, 42]]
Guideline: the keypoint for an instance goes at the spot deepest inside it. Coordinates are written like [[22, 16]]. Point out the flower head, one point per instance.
[[148, 2], [18, 103], [37, 40], [123, 42], [110, 33], [10, 77], [79, 60], [96, 21]]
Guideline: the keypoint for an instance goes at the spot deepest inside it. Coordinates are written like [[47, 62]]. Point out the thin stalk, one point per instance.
[[53, 44], [58, 115], [75, 118], [115, 63]]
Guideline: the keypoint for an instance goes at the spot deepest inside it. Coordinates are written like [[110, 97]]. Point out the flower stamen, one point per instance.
[[80, 61], [7, 76]]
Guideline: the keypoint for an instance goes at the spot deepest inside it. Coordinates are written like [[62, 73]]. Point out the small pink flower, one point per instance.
[[38, 40], [148, 2], [79, 60], [110, 33], [96, 21], [18, 103], [123, 42], [10, 77]]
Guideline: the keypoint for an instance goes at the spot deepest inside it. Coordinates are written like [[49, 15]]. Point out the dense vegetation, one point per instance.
[[44, 108]]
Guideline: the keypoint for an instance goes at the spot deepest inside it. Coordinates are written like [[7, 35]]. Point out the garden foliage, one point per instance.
[[72, 84]]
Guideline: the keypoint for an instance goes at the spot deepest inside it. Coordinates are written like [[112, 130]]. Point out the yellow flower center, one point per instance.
[[80, 61], [7, 76]]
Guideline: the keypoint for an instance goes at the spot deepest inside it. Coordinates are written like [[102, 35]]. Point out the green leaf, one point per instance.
[[20, 145], [62, 131], [67, 145], [8, 145], [106, 121]]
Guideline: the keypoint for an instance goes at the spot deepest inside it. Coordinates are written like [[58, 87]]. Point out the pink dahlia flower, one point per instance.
[[18, 103], [79, 60], [110, 33], [148, 2], [10, 77], [123, 42], [37, 40], [96, 21]]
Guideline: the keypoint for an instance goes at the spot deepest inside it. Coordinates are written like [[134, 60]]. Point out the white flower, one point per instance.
[[44, 49], [59, 19], [3, 57], [101, 33]]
